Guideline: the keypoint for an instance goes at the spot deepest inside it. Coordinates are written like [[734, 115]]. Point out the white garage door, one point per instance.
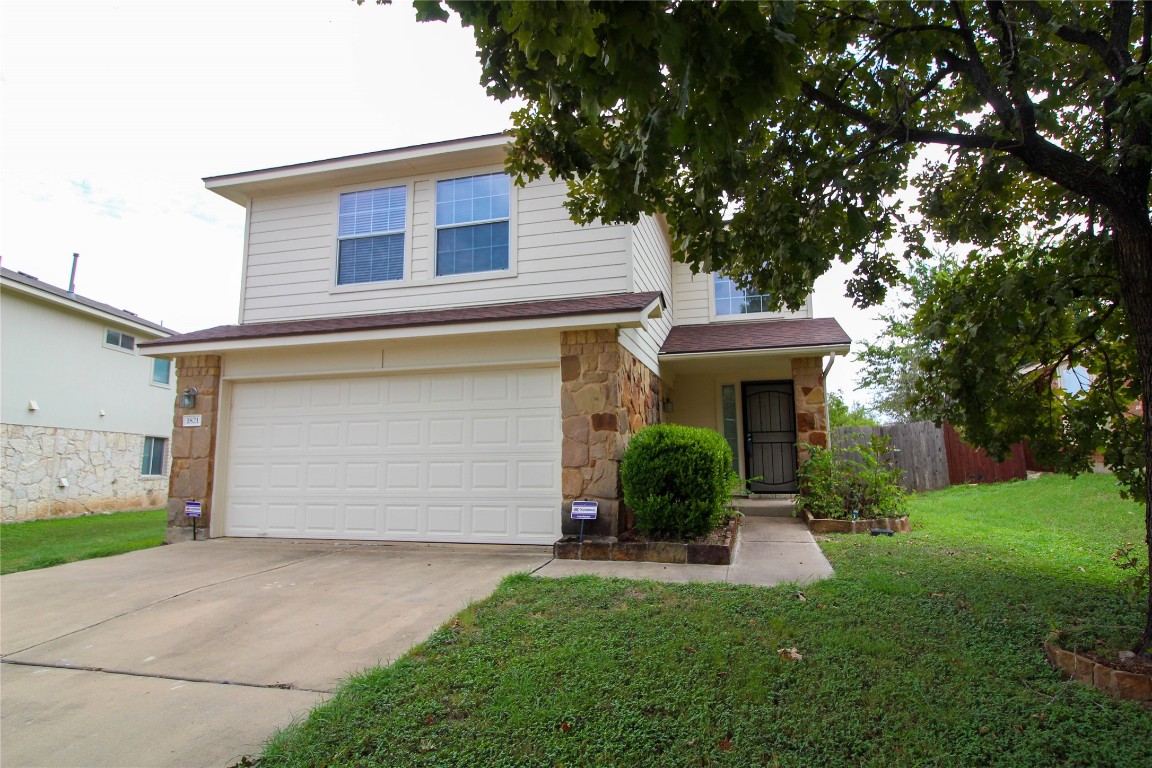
[[469, 457]]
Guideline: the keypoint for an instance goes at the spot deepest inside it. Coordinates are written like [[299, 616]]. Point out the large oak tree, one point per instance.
[[777, 136]]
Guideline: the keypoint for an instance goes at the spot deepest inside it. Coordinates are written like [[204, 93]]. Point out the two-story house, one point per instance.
[[85, 418], [428, 352]]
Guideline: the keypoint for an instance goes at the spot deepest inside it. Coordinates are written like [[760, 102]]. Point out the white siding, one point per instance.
[[58, 359], [291, 256], [692, 297], [651, 271]]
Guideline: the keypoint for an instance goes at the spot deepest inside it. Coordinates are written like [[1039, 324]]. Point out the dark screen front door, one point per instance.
[[770, 436]]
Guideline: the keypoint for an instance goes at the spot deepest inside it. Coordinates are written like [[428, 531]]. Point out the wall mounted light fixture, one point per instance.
[[667, 405], [188, 398]]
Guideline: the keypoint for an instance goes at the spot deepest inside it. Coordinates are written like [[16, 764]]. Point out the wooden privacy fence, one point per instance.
[[932, 457]]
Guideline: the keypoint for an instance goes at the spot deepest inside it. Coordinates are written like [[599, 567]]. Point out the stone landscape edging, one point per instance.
[[1131, 686], [826, 525], [609, 548]]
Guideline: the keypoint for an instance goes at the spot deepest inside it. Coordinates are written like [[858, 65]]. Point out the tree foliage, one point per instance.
[[840, 414], [776, 136]]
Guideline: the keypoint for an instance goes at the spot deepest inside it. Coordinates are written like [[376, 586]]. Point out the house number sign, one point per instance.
[[193, 419]]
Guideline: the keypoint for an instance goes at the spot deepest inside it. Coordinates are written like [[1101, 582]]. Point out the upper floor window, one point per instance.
[[733, 300], [372, 235], [161, 371], [113, 338], [472, 224]]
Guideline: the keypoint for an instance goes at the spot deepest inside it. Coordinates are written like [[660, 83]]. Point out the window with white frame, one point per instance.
[[161, 371], [119, 339], [153, 461], [371, 235], [472, 224], [733, 300]]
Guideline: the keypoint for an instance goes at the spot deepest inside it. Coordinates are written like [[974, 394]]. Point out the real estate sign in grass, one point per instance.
[[41, 543], [924, 650]]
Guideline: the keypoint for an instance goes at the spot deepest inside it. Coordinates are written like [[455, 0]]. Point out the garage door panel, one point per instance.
[[440, 457], [285, 519], [365, 392], [445, 476], [492, 432], [446, 433], [402, 433], [491, 521], [536, 386], [537, 430], [322, 519], [401, 520], [362, 520]]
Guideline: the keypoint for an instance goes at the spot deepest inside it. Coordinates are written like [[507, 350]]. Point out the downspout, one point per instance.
[[824, 383]]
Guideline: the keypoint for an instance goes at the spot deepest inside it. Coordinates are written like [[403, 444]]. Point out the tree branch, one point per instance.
[[1122, 11], [1086, 37], [1042, 157], [976, 71], [1146, 51], [899, 130]]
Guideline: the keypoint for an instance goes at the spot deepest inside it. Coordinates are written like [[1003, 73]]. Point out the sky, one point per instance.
[[112, 112]]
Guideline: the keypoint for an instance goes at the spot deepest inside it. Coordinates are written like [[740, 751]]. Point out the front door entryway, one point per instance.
[[770, 436]]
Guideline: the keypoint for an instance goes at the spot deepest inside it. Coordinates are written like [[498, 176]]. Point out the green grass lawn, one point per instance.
[[924, 650], [41, 543]]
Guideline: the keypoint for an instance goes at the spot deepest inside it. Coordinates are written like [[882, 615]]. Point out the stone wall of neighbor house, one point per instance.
[[811, 413], [102, 471], [606, 396], [193, 448]]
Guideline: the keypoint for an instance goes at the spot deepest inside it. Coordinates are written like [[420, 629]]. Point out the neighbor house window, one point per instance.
[[161, 371], [472, 224], [153, 463], [372, 236], [118, 339], [732, 300]]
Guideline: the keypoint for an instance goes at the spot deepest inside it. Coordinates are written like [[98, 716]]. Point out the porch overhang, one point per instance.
[[625, 310], [744, 341]]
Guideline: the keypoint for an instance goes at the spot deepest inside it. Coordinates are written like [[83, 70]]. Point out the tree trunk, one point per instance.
[[1134, 262]]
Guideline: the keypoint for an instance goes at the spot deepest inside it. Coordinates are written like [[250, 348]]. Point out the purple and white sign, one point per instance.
[[192, 508], [584, 510]]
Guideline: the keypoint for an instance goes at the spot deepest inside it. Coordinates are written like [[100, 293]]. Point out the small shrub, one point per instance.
[[837, 482], [677, 479]]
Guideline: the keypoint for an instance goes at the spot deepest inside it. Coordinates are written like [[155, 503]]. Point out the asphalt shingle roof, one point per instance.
[[750, 336], [527, 310]]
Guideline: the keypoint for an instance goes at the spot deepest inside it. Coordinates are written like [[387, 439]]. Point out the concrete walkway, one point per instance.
[[770, 551]]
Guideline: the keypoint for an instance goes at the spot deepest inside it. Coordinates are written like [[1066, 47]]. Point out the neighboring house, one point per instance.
[[428, 352], [86, 417]]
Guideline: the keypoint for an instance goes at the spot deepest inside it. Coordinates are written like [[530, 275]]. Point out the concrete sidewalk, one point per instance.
[[770, 551]]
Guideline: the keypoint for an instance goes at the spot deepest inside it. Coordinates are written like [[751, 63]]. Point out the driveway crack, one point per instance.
[[179, 678]]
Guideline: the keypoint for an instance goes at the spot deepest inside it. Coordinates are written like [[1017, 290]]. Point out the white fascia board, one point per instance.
[[83, 309], [236, 186], [817, 351], [631, 319]]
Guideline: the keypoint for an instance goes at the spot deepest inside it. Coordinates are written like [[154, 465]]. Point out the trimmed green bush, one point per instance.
[[677, 479], [838, 482]]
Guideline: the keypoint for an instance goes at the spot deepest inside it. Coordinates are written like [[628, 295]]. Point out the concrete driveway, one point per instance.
[[193, 654]]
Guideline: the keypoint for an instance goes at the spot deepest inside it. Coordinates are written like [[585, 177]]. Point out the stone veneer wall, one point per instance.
[[193, 448], [606, 396], [102, 469], [811, 412]]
